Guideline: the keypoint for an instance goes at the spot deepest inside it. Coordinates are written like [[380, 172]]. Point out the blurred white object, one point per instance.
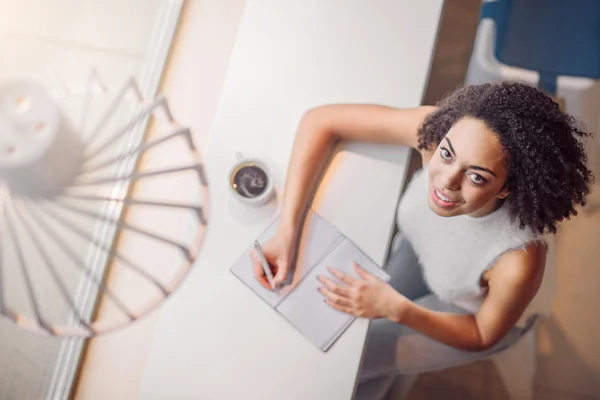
[[54, 176], [40, 153]]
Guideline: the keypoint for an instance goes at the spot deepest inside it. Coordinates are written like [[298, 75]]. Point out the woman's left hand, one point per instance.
[[366, 297]]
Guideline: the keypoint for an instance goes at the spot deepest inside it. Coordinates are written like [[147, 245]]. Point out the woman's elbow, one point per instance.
[[480, 340], [314, 122], [476, 345], [317, 113], [483, 346], [485, 343]]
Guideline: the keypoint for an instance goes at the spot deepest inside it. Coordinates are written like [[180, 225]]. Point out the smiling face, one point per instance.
[[467, 172]]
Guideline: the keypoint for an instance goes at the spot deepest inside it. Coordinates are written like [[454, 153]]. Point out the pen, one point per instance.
[[265, 264]]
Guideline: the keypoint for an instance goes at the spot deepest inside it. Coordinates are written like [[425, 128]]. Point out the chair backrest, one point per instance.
[[552, 37]]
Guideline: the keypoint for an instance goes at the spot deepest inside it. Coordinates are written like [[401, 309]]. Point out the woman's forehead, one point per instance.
[[475, 144]]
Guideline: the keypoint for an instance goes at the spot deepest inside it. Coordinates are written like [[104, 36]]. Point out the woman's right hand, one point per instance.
[[278, 253]]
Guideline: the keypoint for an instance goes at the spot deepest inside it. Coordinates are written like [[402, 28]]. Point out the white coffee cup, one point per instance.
[[250, 181]]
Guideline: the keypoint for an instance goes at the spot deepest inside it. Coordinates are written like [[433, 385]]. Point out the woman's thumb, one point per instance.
[[282, 269]]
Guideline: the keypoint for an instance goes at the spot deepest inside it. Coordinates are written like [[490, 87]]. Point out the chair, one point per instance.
[[516, 366], [552, 44], [516, 363]]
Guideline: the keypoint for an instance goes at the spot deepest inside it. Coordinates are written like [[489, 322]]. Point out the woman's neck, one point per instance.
[[488, 209]]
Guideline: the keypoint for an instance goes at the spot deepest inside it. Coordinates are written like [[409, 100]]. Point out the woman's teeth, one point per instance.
[[441, 196]]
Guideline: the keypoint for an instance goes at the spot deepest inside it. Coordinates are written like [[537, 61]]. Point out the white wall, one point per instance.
[[114, 364]]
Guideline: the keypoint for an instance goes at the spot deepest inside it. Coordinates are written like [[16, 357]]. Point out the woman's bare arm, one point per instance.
[[319, 131], [513, 282], [322, 127]]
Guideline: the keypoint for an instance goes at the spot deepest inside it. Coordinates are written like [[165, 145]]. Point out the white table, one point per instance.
[[215, 339]]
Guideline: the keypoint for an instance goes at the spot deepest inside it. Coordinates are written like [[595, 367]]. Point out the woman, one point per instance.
[[502, 165]]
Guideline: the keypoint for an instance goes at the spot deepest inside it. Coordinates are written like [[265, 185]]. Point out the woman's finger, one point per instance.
[[335, 298], [338, 307], [363, 273], [280, 275], [259, 273], [334, 287], [343, 277]]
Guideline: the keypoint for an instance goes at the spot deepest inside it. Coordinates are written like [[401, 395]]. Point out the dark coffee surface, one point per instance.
[[250, 181]]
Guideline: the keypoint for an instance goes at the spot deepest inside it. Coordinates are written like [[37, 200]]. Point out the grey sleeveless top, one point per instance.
[[454, 252]]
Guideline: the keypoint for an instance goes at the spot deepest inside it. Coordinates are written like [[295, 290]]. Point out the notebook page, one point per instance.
[[318, 237], [305, 307]]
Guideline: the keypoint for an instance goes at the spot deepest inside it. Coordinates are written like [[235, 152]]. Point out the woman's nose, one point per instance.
[[452, 181]]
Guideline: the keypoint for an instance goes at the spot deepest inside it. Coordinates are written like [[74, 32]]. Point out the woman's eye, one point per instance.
[[478, 179], [446, 155]]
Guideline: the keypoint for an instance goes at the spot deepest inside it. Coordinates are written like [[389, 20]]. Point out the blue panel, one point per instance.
[[553, 37]]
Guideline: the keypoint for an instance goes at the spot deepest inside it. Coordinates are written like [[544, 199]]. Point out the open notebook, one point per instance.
[[300, 303]]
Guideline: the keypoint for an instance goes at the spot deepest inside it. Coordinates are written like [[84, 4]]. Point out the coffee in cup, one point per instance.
[[251, 181]]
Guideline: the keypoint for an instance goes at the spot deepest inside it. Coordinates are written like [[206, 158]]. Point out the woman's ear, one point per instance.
[[503, 194]]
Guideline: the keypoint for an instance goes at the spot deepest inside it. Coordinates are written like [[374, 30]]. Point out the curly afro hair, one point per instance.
[[545, 155]]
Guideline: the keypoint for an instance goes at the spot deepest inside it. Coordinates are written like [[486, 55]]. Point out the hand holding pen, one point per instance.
[[266, 267], [270, 262]]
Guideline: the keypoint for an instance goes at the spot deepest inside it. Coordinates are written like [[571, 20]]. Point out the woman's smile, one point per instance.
[[441, 199]]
